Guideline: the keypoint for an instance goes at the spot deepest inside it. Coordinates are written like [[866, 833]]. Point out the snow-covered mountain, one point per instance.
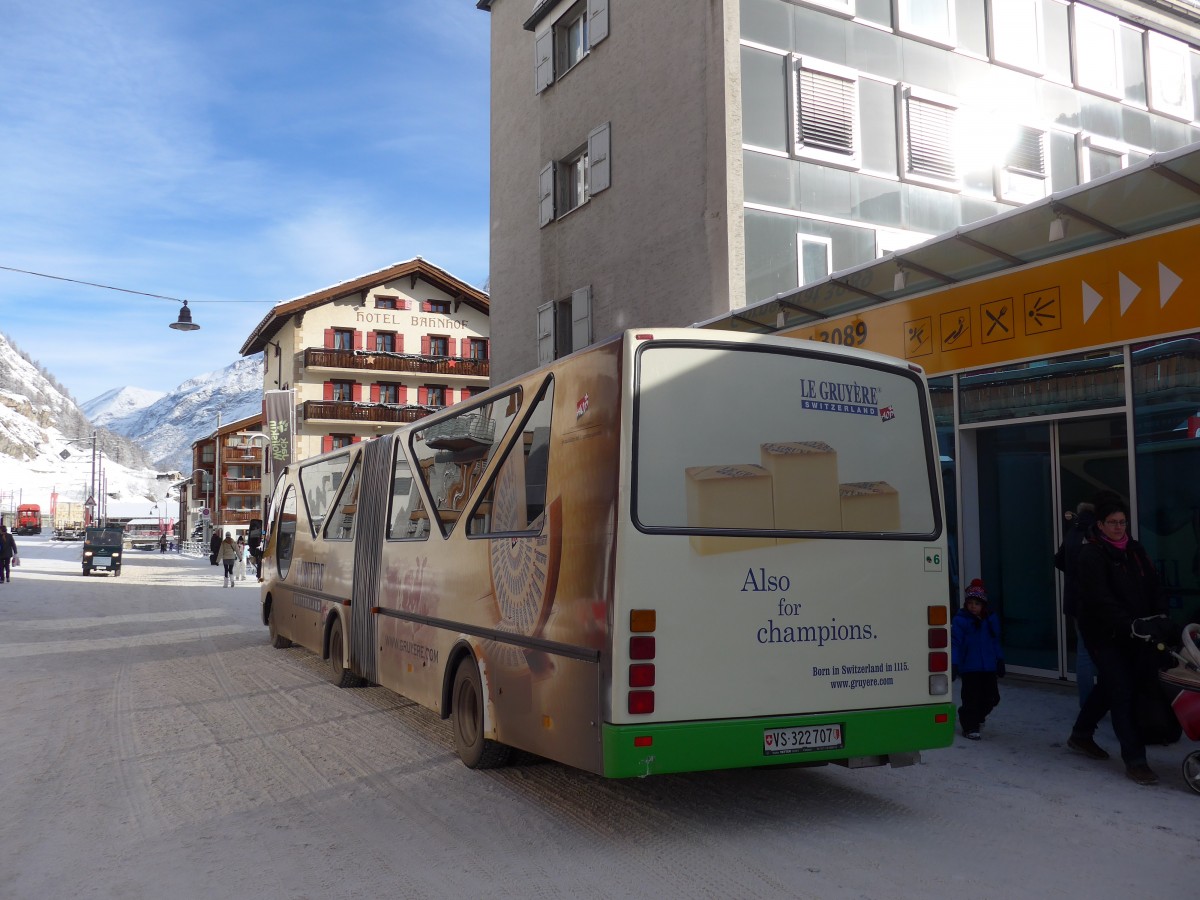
[[166, 427], [112, 408], [143, 438], [46, 445]]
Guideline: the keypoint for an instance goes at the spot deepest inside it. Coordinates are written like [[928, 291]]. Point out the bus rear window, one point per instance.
[[750, 439]]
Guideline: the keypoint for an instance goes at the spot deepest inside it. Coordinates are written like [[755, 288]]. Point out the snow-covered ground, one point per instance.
[[153, 745]]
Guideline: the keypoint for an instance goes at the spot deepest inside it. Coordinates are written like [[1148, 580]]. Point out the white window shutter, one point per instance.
[[599, 166], [546, 195], [581, 318], [597, 21], [543, 61], [545, 333]]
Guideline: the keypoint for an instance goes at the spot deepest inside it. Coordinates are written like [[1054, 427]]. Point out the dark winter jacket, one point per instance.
[[8, 546], [1115, 587], [975, 642]]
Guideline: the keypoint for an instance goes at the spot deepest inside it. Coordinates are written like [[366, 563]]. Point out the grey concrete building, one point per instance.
[[662, 162]]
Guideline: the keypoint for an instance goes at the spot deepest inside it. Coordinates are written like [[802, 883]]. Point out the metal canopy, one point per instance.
[[1162, 191]]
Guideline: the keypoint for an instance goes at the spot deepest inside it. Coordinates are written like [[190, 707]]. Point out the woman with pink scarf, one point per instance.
[[1117, 584]]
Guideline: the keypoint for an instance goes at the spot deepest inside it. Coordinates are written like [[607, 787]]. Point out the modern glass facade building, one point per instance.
[[795, 165]]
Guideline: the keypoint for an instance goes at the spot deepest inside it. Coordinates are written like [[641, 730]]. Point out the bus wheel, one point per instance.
[[278, 641], [476, 751], [338, 673]]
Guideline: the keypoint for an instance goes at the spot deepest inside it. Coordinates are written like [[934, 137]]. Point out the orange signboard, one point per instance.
[[1128, 291]]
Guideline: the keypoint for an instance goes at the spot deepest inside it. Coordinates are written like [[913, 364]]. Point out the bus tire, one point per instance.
[[278, 641], [466, 712], [338, 673]]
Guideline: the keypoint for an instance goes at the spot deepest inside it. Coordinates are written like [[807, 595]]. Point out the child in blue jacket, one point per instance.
[[977, 657]]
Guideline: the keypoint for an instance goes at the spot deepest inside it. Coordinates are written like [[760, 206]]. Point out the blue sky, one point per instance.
[[225, 151]]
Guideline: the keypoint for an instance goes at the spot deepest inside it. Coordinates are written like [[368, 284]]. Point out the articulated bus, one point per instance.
[[676, 550]]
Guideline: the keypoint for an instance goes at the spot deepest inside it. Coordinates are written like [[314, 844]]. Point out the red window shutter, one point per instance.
[[449, 396], [402, 304], [424, 345], [424, 306], [329, 390], [371, 341], [375, 393], [452, 346], [423, 396], [328, 338], [358, 339], [327, 443], [399, 343], [402, 393], [356, 392]]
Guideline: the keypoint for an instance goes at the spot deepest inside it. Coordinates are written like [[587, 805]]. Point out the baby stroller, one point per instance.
[[1182, 685]]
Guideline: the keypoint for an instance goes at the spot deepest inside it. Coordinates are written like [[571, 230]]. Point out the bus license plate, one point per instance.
[[798, 740]]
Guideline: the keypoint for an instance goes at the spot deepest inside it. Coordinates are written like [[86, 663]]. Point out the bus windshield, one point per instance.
[[808, 443]]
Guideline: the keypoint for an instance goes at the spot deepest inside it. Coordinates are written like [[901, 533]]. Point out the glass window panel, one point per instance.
[[452, 453], [770, 254], [1166, 410], [814, 255], [1064, 165], [933, 19], [1098, 51], [764, 99], [767, 22], [878, 121], [340, 524], [767, 179], [1068, 384], [941, 395], [970, 22], [821, 35], [1017, 33], [1133, 64], [1170, 75], [877, 11], [320, 482], [1057, 40]]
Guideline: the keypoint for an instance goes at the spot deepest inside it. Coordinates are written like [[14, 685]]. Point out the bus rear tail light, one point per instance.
[[939, 638], [939, 661], [641, 648], [641, 675], [938, 615], [939, 685], [641, 702]]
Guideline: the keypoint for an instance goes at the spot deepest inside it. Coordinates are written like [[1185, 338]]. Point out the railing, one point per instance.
[[348, 411], [241, 485], [238, 516], [381, 361], [240, 453]]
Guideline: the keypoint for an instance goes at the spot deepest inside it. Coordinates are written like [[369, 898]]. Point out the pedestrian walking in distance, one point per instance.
[[8, 550], [227, 554]]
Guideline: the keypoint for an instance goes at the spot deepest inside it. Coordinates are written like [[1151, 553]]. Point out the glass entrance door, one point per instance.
[[1029, 474]]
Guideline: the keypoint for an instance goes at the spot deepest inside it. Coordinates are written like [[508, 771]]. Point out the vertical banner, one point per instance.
[[279, 422]]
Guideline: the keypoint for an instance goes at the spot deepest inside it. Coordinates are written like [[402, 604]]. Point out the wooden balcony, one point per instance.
[[241, 486], [241, 453], [238, 516], [347, 411], [378, 361]]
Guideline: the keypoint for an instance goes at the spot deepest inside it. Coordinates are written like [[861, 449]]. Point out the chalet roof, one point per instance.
[[416, 269]]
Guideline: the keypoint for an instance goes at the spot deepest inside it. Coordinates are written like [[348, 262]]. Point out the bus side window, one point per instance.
[[340, 525], [452, 453], [286, 543], [515, 498], [320, 482], [408, 519]]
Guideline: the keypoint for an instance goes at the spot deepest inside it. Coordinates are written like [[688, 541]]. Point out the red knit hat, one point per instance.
[[975, 591]]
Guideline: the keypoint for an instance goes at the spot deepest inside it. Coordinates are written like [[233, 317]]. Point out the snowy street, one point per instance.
[[154, 745]]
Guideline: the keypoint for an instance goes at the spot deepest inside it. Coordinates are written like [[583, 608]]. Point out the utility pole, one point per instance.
[[217, 475]]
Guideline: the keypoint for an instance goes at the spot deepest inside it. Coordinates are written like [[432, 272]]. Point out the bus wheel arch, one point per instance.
[[470, 719], [334, 647], [278, 641]]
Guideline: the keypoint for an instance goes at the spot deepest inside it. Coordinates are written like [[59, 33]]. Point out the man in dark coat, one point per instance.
[[214, 544]]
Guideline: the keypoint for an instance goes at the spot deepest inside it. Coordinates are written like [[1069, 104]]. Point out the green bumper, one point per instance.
[[738, 743]]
